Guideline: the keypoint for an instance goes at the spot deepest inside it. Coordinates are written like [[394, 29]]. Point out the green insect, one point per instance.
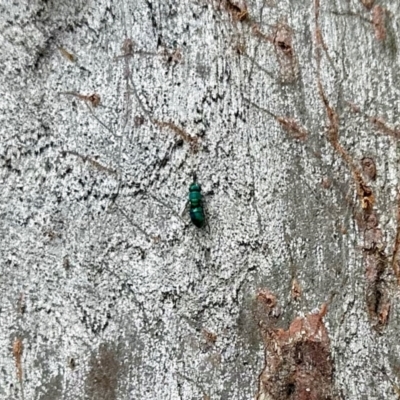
[[196, 204]]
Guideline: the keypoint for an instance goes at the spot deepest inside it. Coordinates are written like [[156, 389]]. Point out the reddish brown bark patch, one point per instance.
[[94, 99], [293, 128], [236, 8], [282, 39], [298, 362], [378, 21], [17, 350], [266, 311], [376, 262], [209, 340], [286, 57], [384, 128], [326, 183], [367, 3]]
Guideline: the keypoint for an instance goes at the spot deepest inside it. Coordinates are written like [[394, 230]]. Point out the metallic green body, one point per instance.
[[196, 205]]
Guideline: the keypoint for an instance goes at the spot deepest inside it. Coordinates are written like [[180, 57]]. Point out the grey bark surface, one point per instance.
[[106, 287]]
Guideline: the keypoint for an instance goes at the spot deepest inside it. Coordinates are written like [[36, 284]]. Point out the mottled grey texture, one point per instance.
[[112, 296]]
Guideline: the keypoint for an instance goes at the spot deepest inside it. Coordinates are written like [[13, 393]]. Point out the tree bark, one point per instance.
[[286, 113]]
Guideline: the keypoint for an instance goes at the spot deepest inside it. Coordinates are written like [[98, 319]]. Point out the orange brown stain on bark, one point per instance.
[[378, 22], [377, 299], [369, 169], [193, 141], [319, 38], [375, 259], [383, 127], [94, 99], [209, 336], [378, 122], [291, 126], [237, 9], [258, 33], [282, 40], [66, 54], [266, 311], [367, 3], [17, 350], [285, 54], [320, 41], [364, 192], [353, 107], [326, 183], [94, 163], [266, 298], [296, 290], [384, 312]]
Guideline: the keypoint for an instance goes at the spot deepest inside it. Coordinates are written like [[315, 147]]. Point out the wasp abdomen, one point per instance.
[[196, 205]]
